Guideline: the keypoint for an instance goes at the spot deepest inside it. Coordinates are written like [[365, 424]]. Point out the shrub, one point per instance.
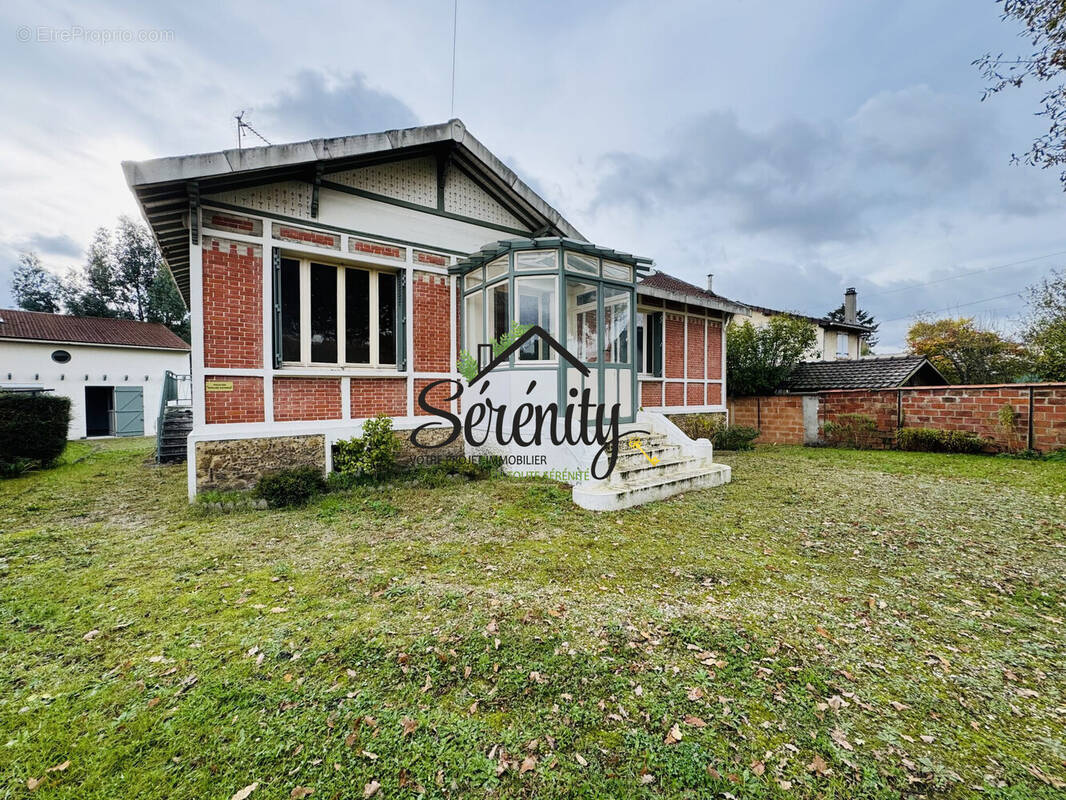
[[290, 487], [851, 430], [735, 437], [700, 426], [33, 428], [373, 454], [933, 440]]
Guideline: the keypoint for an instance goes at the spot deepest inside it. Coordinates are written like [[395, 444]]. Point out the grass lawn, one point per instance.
[[831, 624]]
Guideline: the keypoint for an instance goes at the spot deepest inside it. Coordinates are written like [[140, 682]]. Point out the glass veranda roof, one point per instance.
[[502, 247]]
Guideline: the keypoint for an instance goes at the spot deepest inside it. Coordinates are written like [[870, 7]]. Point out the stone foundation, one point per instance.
[[237, 464], [410, 456]]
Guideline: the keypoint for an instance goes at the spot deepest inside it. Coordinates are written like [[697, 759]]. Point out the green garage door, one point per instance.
[[129, 411]]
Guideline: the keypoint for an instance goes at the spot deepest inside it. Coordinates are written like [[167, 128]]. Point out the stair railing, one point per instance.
[[176, 391]]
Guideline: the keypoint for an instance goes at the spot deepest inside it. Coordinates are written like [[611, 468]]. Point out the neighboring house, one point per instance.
[[882, 372], [333, 280], [835, 340], [111, 369]]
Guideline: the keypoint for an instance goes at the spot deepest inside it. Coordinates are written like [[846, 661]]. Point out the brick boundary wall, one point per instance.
[[778, 418], [973, 409]]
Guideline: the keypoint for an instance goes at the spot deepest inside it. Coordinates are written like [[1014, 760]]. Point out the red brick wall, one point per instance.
[[431, 323], [233, 304], [243, 404], [436, 397], [714, 351], [778, 418], [694, 394], [651, 393], [307, 399], [974, 409], [675, 394], [697, 349], [674, 346], [372, 396], [714, 394], [1049, 418]]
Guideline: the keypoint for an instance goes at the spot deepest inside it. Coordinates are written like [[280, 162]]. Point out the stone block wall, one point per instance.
[[237, 464]]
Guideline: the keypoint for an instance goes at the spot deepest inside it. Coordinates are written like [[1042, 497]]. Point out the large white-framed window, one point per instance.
[[536, 302], [335, 314]]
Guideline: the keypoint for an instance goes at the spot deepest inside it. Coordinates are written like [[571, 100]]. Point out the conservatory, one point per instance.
[[582, 295]]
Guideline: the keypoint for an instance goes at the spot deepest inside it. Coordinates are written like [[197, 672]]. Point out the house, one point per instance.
[[336, 279], [111, 369], [879, 372], [836, 340]]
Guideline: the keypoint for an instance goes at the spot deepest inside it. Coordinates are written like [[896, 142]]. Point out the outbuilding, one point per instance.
[[113, 370]]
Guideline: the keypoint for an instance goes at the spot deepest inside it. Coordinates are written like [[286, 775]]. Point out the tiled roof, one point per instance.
[[663, 282], [884, 372], [18, 324]]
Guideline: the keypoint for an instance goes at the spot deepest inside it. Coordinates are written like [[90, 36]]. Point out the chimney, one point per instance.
[[851, 305], [710, 282]]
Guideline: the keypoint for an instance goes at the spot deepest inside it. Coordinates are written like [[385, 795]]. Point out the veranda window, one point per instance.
[[330, 314]]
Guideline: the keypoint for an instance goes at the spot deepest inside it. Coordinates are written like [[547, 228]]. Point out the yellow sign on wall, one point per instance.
[[218, 386]]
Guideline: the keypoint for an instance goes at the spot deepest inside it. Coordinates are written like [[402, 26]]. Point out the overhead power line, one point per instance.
[[963, 275], [953, 307]]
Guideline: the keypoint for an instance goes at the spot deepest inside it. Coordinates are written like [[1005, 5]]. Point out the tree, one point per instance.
[[1046, 330], [965, 353], [125, 277], [91, 292], [34, 287], [870, 339], [759, 359], [1044, 22]]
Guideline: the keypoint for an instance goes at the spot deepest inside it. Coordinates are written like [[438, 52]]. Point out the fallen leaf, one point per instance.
[[674, 736], [91, 635], [528, 763], [1050, 780], [838, 736], [899, 706], [409, 726], [59, 767], [33, 783], [580, 760], [247, 790], [647, 778], [371, 789], [927, 738], [300, 792], [818, 765], [758, 767], [695, 722]]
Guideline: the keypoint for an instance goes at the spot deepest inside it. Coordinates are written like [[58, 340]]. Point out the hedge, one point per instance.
[[33, 427], [934, 440]]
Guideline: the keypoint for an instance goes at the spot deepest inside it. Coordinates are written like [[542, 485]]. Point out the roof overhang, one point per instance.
[[717, 304], [168, 188]]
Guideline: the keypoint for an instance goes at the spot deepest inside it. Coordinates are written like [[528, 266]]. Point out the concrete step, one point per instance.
[[639, 472], [636, 460], [603, 496]]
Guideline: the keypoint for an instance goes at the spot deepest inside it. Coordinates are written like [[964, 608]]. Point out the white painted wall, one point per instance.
[[31, 363]]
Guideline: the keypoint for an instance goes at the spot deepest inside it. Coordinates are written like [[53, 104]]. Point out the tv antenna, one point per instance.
[[242, 126], [455, 22]]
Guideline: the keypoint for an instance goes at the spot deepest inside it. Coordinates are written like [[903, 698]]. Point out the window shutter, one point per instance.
[[276, 332], [656, 343], [401, 321]]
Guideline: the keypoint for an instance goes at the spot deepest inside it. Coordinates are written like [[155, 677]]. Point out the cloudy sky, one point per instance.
[[792, 149]]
